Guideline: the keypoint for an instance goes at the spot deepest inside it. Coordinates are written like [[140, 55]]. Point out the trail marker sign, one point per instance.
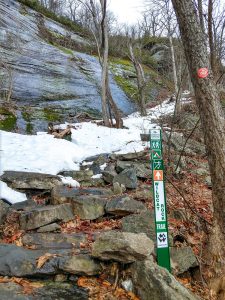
[[161, 224]]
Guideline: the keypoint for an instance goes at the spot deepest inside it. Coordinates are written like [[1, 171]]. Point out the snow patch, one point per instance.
[[11, 195]]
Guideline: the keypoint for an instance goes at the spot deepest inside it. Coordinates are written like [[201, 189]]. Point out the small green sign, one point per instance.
[[161, 224]]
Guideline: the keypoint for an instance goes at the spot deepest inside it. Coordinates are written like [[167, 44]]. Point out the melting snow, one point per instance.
[[43, 153]]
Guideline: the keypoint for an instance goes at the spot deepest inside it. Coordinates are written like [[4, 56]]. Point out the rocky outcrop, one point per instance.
[[42, 71]]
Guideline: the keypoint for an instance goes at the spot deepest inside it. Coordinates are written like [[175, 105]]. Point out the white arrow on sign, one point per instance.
[[158, 175]]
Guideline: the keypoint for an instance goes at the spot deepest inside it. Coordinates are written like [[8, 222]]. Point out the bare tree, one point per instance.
[[73, 7], [212, 119], [141, 82], [99, 28]]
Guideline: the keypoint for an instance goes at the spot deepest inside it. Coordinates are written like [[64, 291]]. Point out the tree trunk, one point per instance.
[[173, 64], [105, 49], [212, 120], [140, 81]]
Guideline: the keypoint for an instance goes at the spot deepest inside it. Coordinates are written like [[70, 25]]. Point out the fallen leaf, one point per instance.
[[44, 258]]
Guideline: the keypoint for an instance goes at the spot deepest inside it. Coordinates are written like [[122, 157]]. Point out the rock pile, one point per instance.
[[50, 231]]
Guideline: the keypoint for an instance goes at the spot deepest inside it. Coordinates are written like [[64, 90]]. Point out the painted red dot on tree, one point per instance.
[[203, 72]]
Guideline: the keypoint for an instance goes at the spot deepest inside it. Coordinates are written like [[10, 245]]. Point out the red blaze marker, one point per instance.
[[203, 72]]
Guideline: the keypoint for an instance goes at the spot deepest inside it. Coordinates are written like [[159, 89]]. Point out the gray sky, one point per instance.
[[127, 11]]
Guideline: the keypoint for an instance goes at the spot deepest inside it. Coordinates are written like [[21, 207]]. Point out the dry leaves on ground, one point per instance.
[[102, 290]]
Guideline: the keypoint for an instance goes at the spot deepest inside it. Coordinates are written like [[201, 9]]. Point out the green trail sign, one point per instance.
[[161, 225]]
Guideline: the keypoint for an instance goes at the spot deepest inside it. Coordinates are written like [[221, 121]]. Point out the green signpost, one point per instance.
[[161, 224]]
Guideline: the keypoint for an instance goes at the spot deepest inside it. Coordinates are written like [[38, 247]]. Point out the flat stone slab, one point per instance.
[[80, 176], [38, 217], [123, 206], [129, 156], [124, 247], [50, 228], [63, 194], [20, 262], [53, 240], [89, 207], [30, 180]]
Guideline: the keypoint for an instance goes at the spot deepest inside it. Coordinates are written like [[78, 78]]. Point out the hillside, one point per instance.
[[49, 82]]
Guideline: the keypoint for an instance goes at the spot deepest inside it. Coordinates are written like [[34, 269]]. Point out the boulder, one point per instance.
[[142, 169], [53, 240], [80, 265], [123, 206], [124, 247], [63, 194], [20, 262], [38, 217], [153, 282], [183, 259], [89, 207], [118, 189], [4, 208], [140, 223], [128, 178], [30, 180], [109, 173]]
